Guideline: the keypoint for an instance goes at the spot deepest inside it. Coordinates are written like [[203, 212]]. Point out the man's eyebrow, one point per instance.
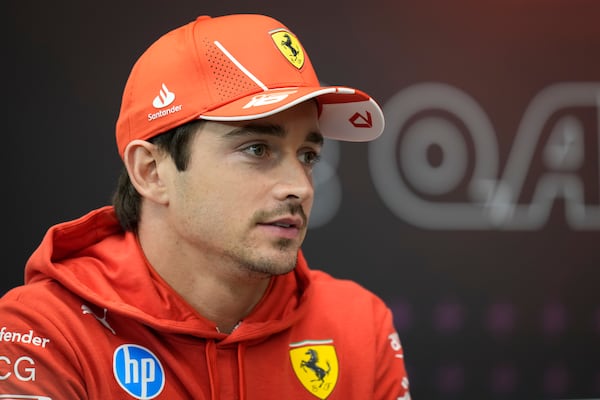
[[271, 130]]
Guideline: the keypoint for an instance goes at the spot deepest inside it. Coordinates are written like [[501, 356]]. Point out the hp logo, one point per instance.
[[138, 371]]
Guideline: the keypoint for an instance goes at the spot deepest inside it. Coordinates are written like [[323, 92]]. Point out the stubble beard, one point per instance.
[[259, 266]]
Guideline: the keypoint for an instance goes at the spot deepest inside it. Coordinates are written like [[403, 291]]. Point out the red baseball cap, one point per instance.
[[235, 68]]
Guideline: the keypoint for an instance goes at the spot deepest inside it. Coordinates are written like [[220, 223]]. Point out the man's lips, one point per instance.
[[288, 222], [287, 228]]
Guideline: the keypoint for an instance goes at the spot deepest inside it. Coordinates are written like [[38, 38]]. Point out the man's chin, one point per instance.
[[275, 264]]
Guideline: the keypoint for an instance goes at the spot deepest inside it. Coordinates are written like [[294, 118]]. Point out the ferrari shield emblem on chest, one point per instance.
[[290, 47], [316, 366]]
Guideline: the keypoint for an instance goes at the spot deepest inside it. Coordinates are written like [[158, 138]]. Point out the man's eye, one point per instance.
[[310, 157], [257, 150]]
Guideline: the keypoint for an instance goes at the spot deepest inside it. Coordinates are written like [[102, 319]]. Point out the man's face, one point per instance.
[[248, 190]]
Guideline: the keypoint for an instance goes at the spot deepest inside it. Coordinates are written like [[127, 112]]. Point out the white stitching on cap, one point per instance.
[[240, 66]]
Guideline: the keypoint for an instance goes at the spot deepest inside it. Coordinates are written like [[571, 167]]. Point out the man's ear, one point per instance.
[[141, 158]]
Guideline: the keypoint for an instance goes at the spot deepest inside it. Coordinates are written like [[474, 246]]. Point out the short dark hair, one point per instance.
[[176, 142]]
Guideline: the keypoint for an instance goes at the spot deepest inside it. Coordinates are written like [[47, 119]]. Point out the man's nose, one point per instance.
[[294, 180]]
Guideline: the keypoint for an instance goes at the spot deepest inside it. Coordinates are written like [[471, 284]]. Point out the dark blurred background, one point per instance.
[[476, 215]]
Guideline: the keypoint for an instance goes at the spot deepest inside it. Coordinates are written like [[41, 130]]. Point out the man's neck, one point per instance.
[[221, 292]]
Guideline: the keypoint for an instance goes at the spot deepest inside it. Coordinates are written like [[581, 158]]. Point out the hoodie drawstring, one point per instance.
[[210, 353], [241, 374]]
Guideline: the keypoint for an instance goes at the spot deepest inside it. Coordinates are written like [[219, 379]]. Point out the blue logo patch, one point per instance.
[[138, 371]]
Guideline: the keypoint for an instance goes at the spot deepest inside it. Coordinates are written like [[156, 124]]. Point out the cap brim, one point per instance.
[[346, 114]]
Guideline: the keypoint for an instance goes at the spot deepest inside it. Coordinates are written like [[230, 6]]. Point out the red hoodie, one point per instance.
[[95, 321]]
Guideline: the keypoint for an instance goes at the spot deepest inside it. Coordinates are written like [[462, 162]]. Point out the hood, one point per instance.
[[96, 260]]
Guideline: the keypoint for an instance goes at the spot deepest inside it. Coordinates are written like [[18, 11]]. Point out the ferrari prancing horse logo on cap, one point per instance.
[[316, 366], [290, 47]]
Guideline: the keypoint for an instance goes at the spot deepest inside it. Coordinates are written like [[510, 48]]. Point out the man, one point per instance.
[[193, 285]]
